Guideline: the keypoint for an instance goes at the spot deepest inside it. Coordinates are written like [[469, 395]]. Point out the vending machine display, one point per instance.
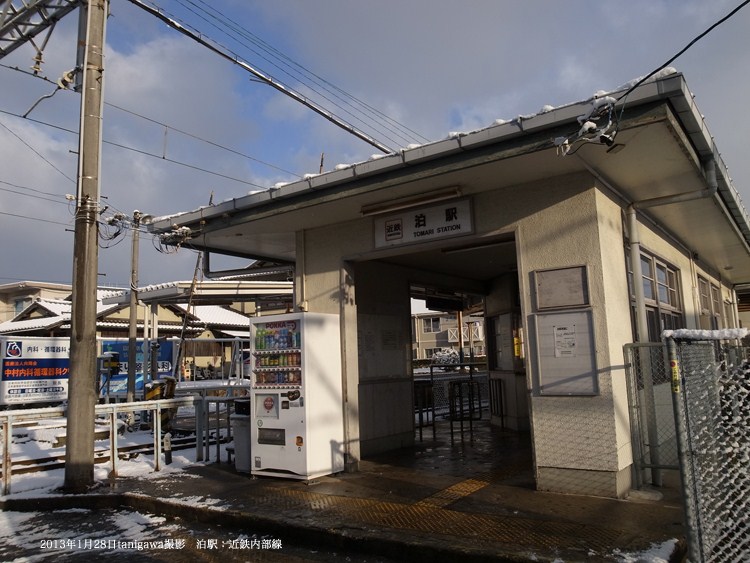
[[297, 408]]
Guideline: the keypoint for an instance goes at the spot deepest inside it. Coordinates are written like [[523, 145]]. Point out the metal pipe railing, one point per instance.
[[111, 412]]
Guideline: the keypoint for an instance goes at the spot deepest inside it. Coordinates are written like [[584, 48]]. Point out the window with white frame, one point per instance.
[[431, 324], [661, 291], [710, 301]]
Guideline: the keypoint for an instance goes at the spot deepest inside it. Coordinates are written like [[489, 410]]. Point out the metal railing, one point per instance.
[[457, 392], [114, 413]]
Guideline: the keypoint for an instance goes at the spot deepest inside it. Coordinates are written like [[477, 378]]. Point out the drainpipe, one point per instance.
[[301, 266]]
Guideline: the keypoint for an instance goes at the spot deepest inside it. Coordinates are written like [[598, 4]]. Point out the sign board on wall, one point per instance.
[[566, 355], [34, 370], [423, 224], [561, 287]]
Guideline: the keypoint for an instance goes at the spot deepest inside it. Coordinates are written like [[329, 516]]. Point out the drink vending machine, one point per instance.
[[297, 404]]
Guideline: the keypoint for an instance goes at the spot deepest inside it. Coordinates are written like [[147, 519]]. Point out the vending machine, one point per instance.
[[297, 404]]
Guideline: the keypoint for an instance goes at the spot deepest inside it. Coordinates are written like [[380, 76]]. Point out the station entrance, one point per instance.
[[441, 354]]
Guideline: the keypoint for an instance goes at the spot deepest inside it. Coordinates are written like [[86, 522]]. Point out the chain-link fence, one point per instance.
[[711, 385]]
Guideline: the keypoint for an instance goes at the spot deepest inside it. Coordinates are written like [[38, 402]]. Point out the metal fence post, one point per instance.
[[113, 441], [7, 469], [683, 452], [198, 429], [157, 437]]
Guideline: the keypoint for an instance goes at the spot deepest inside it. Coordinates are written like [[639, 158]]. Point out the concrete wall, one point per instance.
[[385, 381], [373, 302], [581, 443]]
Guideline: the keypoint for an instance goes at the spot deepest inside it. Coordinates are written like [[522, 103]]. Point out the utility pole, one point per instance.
[[132, 327], [82, 392]]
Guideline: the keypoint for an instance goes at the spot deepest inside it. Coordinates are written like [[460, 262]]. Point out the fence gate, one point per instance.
[[711, 386], [651, 412]]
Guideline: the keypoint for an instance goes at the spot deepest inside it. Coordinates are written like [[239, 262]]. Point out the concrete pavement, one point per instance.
[[466, 500]]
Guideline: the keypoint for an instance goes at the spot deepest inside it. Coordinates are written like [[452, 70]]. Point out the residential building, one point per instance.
[[16, 296], [433, 331]]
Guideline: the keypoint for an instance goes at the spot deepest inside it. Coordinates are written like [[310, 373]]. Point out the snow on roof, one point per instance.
[[430, 149], [216, 315], [32, 324], [55, 306]]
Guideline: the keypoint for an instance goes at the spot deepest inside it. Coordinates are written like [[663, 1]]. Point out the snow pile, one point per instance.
[[656, 554], [663, 73], [693, 334]]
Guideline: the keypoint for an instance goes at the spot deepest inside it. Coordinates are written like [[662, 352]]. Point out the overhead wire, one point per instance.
[[65, 202], [151, 120], [679, 53], [309, 101], [303, 74], [139, 151], [35, 218], [614, 116], [208, 142], [36, 152]]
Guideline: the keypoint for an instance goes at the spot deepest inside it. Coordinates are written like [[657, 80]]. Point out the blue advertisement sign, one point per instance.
[[118, 384]]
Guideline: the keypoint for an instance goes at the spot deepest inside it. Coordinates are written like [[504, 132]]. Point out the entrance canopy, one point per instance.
[[662, 148]]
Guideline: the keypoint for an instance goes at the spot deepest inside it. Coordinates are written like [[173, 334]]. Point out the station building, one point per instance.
[[582, 229]]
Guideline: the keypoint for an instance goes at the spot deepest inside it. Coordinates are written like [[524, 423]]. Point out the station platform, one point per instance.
[[467, 499]]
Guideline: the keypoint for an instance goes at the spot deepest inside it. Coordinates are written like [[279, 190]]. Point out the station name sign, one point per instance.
[[423, 224]]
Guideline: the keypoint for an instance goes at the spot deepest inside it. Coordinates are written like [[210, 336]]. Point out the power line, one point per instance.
[[151, 120], [693, 42], [227, 54], [193, 136], [139, 151], [32, 190], [36, 152], [48, 221]]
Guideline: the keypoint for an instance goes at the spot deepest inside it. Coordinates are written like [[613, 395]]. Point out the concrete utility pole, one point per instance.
[[82, 392], [132, 327]]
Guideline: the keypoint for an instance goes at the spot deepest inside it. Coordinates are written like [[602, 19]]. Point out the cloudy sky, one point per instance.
[[182, 125]]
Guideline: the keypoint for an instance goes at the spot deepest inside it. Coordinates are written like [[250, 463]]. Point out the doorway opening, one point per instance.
[[465, 368]]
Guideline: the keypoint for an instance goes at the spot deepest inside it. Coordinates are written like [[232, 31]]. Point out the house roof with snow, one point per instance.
[[214, 315], [47, 315], [662, 147]]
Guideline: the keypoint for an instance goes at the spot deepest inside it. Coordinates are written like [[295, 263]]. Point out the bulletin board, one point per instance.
[[561, 287], [566, 354]]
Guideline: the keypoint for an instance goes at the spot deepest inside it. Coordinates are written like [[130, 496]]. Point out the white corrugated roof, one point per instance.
[[32, 324], [215, 315]]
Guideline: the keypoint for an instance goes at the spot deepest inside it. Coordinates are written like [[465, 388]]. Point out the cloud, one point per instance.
[[433, 65]]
